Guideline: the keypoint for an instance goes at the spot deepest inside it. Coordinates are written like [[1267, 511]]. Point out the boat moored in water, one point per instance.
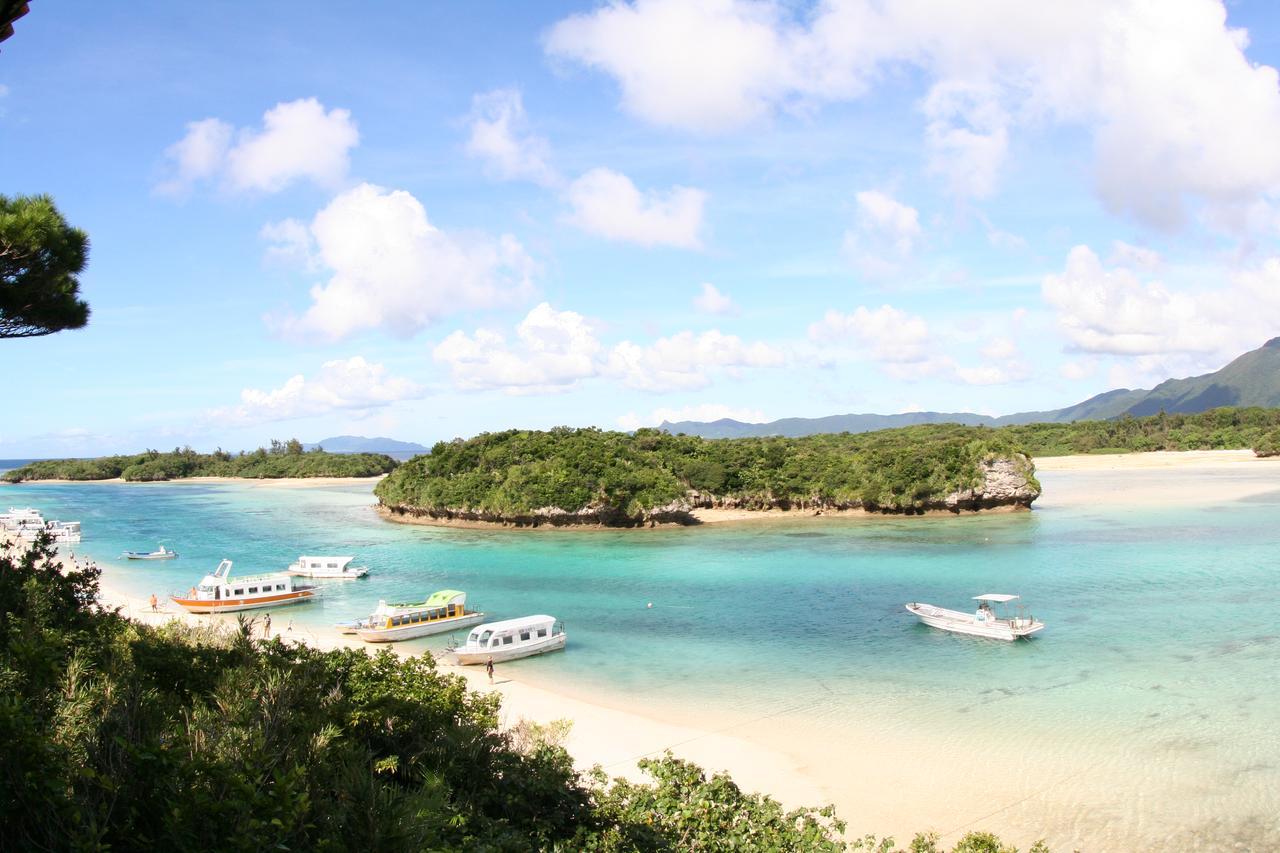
[[442, 612], [983, 622], [161, 553], [221, 593], [326, 568], [511, 639], [58, 531]]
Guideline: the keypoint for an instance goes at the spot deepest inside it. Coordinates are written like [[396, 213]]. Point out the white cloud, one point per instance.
[[1127, 255], [553, 349], [352, 384], [1161, 328], [1000, 348], [197, 156], [299, 140], [687, 361], [290, 244], [1077, 370], [499, 136], [885, 233], [700, 412], [607, 203], [712, 301], [1153, 84], [886, 334], [394, 270]]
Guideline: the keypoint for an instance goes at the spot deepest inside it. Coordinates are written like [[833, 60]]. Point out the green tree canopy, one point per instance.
[[40, 259]]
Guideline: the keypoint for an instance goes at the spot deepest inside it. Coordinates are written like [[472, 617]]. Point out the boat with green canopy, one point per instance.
[[443, 611]]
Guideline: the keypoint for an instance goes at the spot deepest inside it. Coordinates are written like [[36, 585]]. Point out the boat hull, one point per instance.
[[234, 605], [551, 644], [964, 623], [335, 576], [129, 556], [421, 629]]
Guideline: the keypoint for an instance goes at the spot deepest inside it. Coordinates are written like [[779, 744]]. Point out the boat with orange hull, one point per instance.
[[221, 593]]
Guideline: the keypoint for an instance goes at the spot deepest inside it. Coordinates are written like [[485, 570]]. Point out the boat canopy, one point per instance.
[[994, 596], [512, 624], [342, 561], [444, 597]]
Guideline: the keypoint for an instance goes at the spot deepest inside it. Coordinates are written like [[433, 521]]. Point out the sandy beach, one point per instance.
[[267, 482]]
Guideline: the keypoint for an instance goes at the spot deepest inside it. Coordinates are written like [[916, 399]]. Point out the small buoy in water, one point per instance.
[[650, 604]]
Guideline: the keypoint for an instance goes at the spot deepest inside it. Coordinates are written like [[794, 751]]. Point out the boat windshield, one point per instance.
[[484, 638]]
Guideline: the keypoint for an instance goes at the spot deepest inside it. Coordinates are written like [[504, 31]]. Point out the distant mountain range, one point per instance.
[[1253, 379], [359, 444]]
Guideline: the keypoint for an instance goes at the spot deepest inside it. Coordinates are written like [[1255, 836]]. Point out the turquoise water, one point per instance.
[[1159, 662]]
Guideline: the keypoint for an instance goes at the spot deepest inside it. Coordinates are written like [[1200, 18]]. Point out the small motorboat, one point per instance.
[[511, 640], [162, 553], [326, 568], [983, 622]]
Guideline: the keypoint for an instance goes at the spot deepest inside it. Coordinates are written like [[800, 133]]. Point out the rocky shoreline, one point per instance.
[[1006, 486]]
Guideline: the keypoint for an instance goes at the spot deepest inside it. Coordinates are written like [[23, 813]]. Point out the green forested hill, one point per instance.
[[283, 459], [513, 474]]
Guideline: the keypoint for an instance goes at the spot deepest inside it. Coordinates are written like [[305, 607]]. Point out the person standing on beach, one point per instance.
[[153, 602], [266, 626], [488, 667]]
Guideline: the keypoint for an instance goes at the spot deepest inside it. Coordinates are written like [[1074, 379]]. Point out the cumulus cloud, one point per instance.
[[700, 412], [905, 347], [687, 361], [607, 203], [299, 140], [392, 269], [553, 349], [290, 244], [1153, 84], [500, 137], [1122, 311], [711, 301], [885, 233], [353, 385]]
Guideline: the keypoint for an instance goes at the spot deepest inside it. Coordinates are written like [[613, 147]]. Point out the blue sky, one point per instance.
[[430, 220]]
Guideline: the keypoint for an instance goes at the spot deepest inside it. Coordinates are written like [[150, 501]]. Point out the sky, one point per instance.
[[429, 220]]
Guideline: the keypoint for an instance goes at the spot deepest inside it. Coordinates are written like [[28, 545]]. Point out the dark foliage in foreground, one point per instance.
[[283, 459], [117, 735]]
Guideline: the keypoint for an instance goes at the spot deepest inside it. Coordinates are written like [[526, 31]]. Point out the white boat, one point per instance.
[[442, 612], [327, 568], [983, 622], [19, 520], [59, 531], [511, 639], [221, 593], [161, 553]]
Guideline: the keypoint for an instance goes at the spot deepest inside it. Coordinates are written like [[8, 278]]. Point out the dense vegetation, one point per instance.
[[1217, 429], [282, 459], [515, 473], [118, 735], [41, 258]]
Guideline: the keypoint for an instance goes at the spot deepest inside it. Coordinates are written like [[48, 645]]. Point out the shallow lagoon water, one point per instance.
[[1155, 680]]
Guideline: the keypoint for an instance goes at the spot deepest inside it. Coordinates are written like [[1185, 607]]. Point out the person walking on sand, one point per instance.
[[153, 602], [266, 626], [488, 667]]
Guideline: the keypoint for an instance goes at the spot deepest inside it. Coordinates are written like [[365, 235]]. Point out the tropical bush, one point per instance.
[[518, 472], [283, 459]]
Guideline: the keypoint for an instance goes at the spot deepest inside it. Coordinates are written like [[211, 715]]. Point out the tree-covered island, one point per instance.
[[284, 459], [614, 479]]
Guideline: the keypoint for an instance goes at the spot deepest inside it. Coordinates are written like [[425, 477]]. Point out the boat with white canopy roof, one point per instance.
[[985, 621]]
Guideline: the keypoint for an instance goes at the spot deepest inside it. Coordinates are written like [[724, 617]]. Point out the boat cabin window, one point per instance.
[[484, 638], [524, 635], [252, 590], [452, 608], [279, 586], [542, 632], [333, 565], [239, 592], [555, 630], [506, 641]]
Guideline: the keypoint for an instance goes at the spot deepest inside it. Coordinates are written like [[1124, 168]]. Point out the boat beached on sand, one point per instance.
[[326, 568], [221, 593], [442, 612], [161, 553], [984, 622], [511, 639]]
